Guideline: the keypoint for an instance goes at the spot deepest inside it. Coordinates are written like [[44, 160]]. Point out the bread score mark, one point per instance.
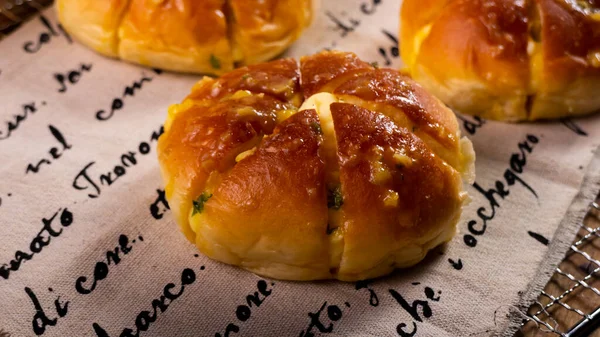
[[535, 55], [335, 199], [321, 103]]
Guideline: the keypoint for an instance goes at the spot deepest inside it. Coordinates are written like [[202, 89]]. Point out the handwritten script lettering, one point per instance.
[[244, 311], [471, 123], [46, 36], [83, 181], [41, 240], [334, 314], [155, 208], [113, 257], [72, 77], [40, 318], [12, 125], [418, 310], [145, 318], [345, 25], [323, 320], [394, 49], [517, 164], [118, 103], [365, 284], [571, 125], [54, 152], [101, 269]]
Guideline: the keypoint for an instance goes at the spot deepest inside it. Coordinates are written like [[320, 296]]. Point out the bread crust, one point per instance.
[[364, 177], [208, 36], [506, 60]]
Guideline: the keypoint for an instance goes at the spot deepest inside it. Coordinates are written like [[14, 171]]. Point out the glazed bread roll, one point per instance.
[[327, 169], [208, 36], [506, 60]]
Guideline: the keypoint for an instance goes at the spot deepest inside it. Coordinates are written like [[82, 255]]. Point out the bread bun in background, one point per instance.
[[326, 169], [506, 60], [208, 36]]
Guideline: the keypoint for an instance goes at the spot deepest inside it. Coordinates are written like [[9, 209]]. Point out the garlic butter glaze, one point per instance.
[[330, 168]]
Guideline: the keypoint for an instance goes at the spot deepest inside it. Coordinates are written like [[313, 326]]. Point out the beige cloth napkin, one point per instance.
[[89, 248]]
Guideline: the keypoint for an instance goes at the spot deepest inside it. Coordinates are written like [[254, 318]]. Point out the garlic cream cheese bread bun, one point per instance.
[[329, 168], [208, 36], [506, 59]]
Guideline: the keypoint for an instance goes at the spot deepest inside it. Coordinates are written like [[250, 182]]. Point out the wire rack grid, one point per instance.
[[569, 305]]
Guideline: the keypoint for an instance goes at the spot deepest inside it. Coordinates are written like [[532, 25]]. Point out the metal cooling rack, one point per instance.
[[569, 305]]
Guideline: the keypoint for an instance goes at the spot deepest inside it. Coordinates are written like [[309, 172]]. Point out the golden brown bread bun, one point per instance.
[[208, 36], [330, 169], [506, 60]]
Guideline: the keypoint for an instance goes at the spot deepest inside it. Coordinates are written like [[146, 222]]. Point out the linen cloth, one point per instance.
[[89, 247]]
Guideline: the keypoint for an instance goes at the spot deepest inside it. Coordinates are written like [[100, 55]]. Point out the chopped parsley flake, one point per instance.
[[245, 77], [198, 204], [316, 127], [214, 62], [334, 198], [375, 65]]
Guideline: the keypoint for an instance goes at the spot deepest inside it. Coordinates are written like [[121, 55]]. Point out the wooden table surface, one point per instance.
[[575, 264]]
